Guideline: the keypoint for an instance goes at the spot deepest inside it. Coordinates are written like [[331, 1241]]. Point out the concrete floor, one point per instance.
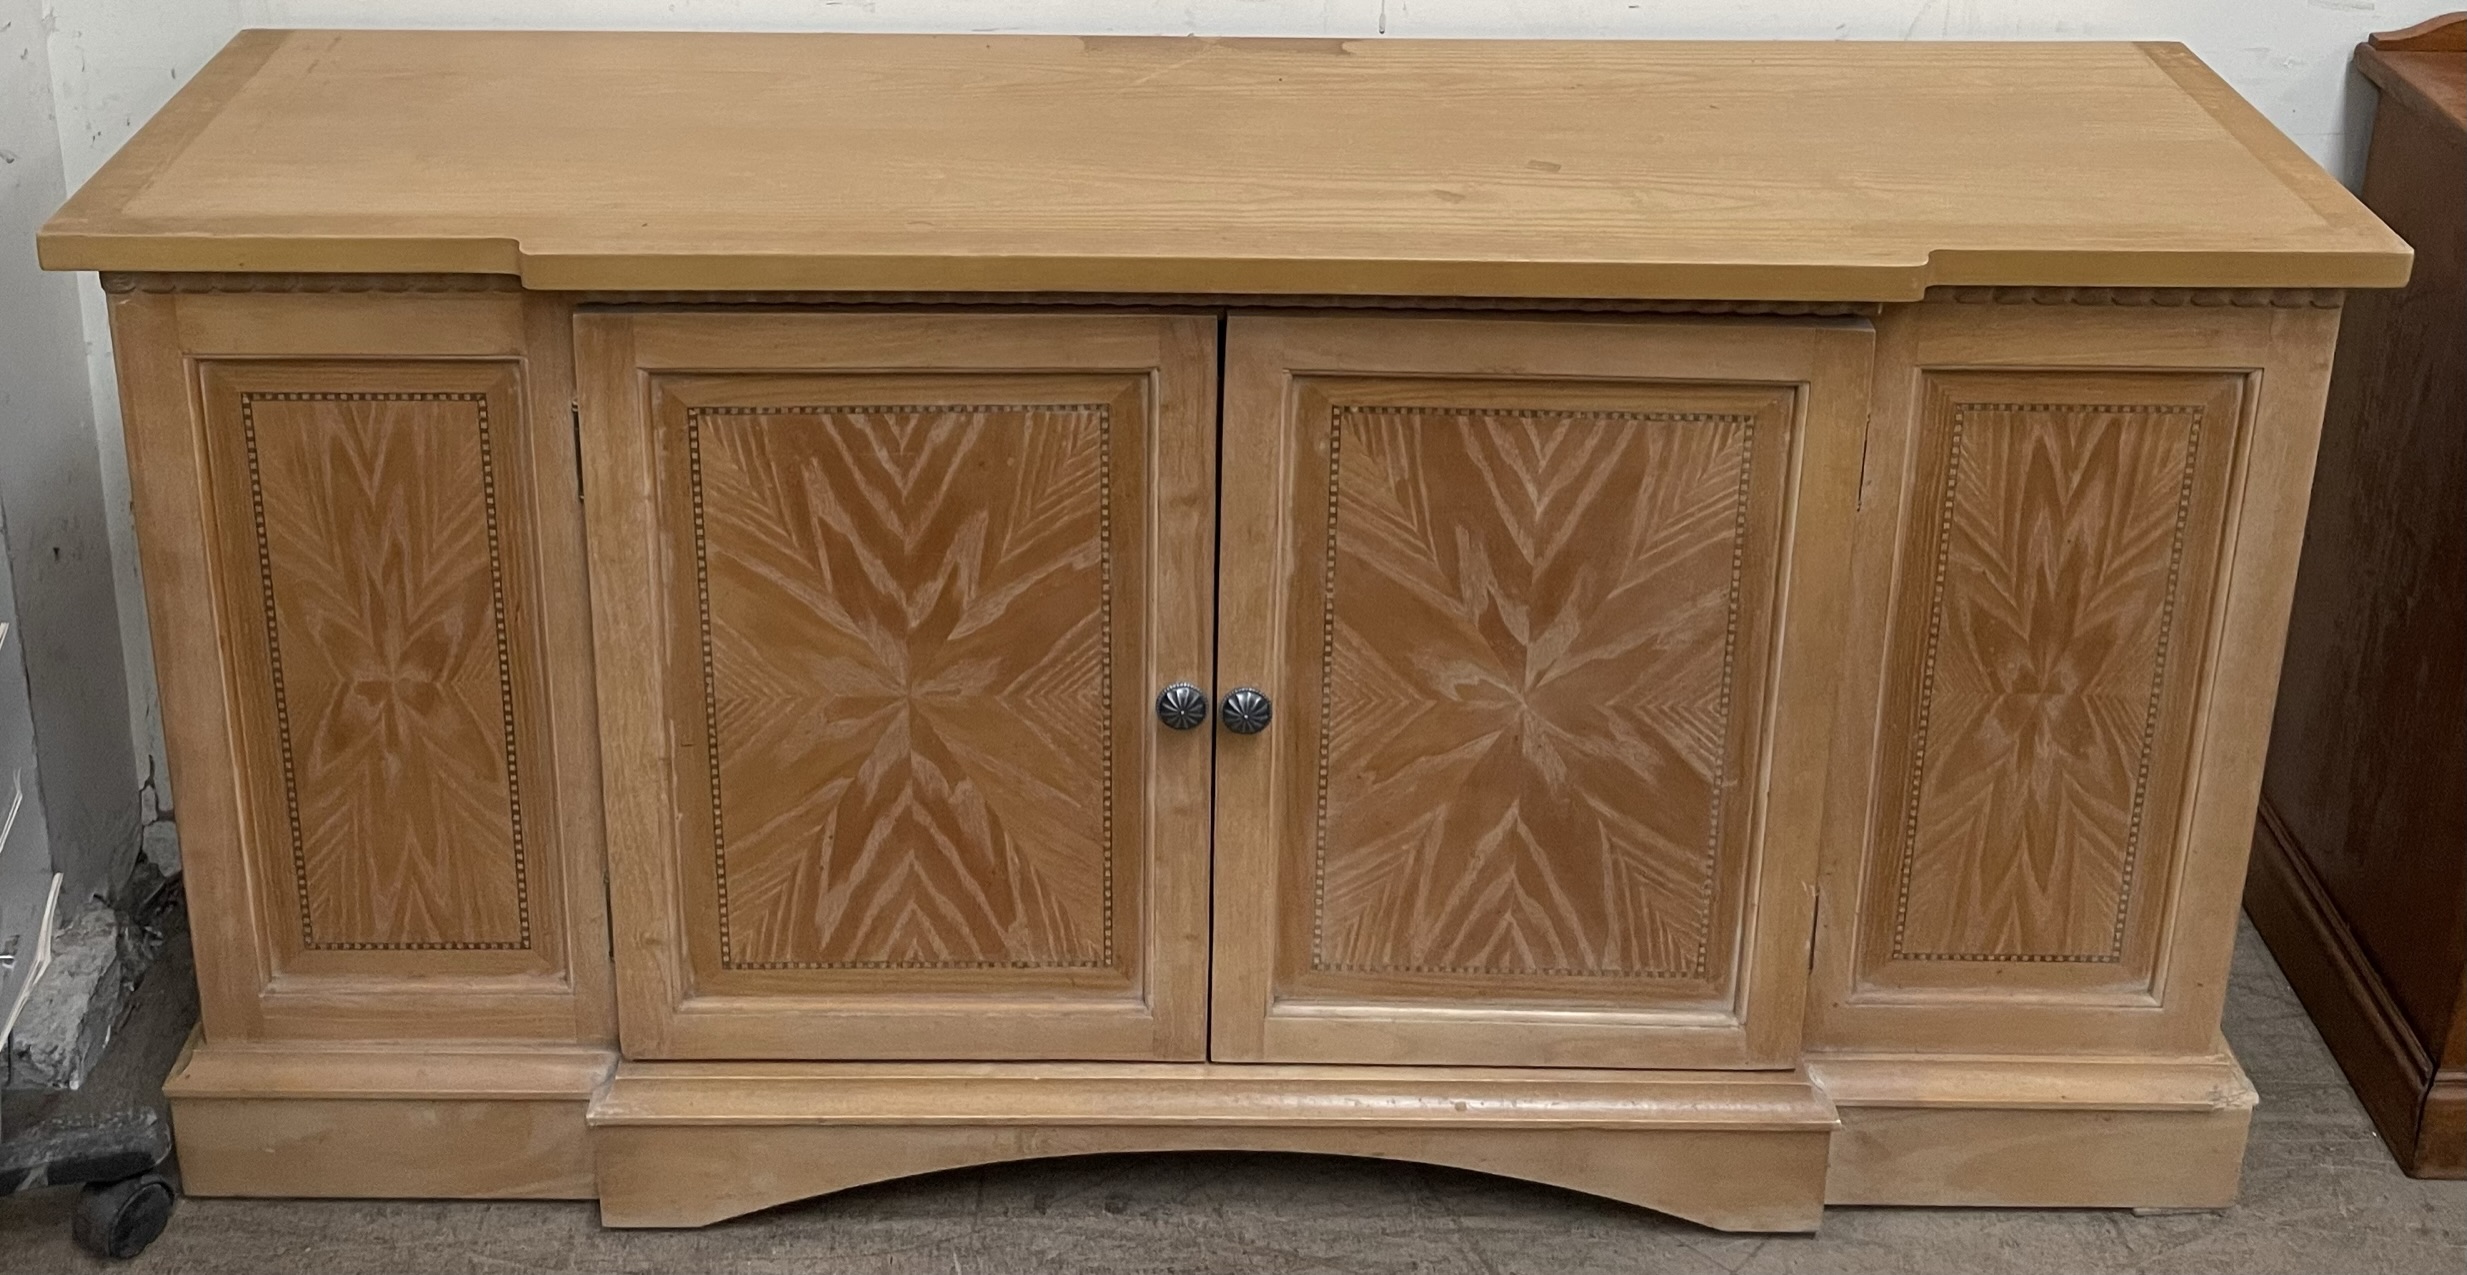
[[2320, 1195]]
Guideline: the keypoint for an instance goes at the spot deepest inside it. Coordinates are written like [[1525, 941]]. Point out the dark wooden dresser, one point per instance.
[[2359, 877]]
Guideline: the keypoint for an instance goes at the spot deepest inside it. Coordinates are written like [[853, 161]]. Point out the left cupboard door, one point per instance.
[[882, 604]]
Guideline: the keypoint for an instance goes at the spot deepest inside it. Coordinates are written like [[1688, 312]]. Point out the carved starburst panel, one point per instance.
[[375, 566], [897, 611], [2048, 638], [1532, 720], [905, 624]]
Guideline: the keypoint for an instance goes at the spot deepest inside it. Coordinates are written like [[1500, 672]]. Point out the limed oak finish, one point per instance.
[[894, 592], [1546, 787], [1725, 647]]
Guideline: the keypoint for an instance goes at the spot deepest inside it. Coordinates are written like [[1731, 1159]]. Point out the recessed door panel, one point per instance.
[[1528, 711], [913, 583], [2039, 713], [1537, 787], [376, 556]]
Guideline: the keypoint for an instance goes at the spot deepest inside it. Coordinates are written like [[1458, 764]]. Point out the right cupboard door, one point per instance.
[[1544, 610]]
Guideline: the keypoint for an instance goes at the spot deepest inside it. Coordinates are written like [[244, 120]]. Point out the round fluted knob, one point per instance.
[[1182, 706], [1246, 711]]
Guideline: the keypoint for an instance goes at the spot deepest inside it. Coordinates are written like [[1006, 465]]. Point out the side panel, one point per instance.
[[388, 700], [2038, 710], [2074, 560], [361, 545]]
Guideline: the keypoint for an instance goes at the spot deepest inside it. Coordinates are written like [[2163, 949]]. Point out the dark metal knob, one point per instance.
[[1246, 711], [1182, 706]]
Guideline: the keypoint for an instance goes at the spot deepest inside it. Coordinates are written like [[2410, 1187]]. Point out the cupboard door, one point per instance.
[[1541, 780], [883, 603]]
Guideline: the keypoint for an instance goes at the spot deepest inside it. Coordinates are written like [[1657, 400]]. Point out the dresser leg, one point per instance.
[[2037, 1133], [398, 1121]]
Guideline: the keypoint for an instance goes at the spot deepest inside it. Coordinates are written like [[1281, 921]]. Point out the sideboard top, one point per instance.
[[641, 161]]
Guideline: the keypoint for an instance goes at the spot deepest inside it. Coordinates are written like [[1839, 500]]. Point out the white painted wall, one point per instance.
[[55, 522], [113, 64], [114, 61]]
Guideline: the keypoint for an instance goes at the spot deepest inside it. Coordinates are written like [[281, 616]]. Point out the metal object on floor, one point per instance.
[[112, 1135], [116, 1155]]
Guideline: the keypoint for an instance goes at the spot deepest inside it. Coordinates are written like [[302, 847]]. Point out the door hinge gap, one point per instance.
[[1815, 926]]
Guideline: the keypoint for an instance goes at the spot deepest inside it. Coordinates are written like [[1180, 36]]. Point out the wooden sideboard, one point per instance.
[[740, 615], [2360, 861]]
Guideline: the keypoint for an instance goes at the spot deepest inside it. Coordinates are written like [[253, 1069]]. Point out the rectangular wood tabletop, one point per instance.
[[694, 161]]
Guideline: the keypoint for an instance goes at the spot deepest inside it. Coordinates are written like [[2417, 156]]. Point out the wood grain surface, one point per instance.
[[1648, 708], [2073, 571], [1523, 632], [675, 1142], [2043, 496], [905, 588], [371, 538], [906, 619], [1772, 170], [2359, 884], [2067, 531], [1534, 620], [458, 1120], [400, 841]]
